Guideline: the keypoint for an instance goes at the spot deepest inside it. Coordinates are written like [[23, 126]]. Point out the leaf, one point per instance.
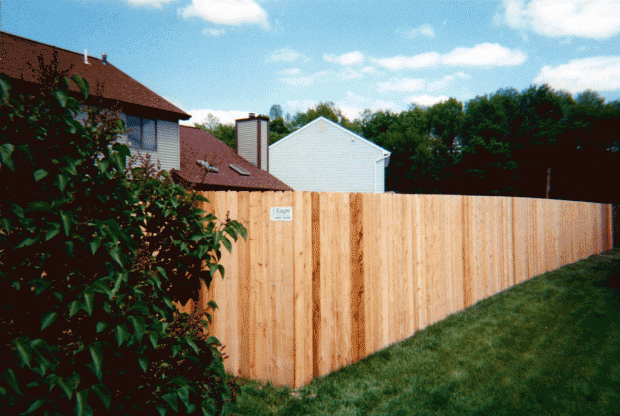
[[23, 349], [11, 379], [95, 244], [48, 319], [139, 326], [61, 97], [175, 349], [97, 356], [154, 338], [40, 174], [212, 304], [183, 393], [101, 286], [101, 325], [5, 86], [81, 400], [28, 241], [89, 302], [227, 244], [6, 150], [212, 340], [52, 231], [74, 307], [115, 252], [121, 334], [103, 392], [221, 269], [173, 401], [6, 223], [103, 165], [117, 283], [82, 84], [201, 198], [39, 206], [232, 232], [66, 387], [62, 182], [144, 363], [66, 221], [34, 406], [192, 344], [180, 380]]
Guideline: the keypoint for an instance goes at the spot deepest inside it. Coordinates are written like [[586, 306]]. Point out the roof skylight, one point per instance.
[[239, 170], [206, 165]]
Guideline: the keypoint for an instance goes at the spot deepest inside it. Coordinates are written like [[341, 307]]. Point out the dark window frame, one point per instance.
[[140, 145]]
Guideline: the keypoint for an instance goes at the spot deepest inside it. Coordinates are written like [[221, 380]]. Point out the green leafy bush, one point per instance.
[[92, 255]]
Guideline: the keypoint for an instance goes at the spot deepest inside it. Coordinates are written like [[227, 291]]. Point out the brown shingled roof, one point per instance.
[[197, 144], [110, 83]]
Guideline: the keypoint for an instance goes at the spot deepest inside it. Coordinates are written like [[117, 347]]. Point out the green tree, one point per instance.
[[275, 112], [417, 163], [223, 132], [91, 258]]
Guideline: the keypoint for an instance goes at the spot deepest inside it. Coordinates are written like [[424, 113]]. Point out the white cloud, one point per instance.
[[292, 71], [446, 81], [227, 12], [368, 70], [303, 81], [226, 117], [485, 54], [401, 85], [424, 60], [349, 74], [285, 55], [352, 105], [441, 84], [426, 100], [213, 32], [157, 4], [593, 19], [350, 58], [424, 30], [301, 105], [601, 73]]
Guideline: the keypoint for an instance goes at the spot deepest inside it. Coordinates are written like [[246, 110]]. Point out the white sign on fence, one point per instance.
[[282, 214]]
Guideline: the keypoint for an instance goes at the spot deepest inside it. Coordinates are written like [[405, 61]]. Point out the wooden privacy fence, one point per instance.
[[351, 274]]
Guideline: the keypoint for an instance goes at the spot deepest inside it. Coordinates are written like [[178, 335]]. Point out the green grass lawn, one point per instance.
[[549, 346]]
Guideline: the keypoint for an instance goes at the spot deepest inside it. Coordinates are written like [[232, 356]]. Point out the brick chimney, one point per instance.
[[252, 140]]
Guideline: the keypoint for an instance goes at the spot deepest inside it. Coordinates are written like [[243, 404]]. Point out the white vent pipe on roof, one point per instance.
[[86, 57]]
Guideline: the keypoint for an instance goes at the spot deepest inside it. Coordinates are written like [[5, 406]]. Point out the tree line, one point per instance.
[[534, 143]]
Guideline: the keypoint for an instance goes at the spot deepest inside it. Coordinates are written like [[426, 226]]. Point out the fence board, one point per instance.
[[302, 241], [354, 273]]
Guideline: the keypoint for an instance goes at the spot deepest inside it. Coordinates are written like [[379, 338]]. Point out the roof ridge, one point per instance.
[[48, 44]]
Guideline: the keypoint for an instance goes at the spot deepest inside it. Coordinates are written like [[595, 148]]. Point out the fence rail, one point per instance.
[[351, 274]]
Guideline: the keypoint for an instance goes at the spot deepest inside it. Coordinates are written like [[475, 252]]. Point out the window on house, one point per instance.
[[142, 132]]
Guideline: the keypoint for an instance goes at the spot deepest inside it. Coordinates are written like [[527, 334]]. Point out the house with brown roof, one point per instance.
[[152, 122], [209, 164]]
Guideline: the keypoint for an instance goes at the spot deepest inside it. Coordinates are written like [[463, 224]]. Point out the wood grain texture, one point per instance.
[[354, 273]]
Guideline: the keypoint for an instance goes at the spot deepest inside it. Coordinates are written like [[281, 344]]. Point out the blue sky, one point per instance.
[[231, 57]]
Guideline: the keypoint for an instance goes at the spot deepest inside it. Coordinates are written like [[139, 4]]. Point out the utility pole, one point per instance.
[[548, 181]]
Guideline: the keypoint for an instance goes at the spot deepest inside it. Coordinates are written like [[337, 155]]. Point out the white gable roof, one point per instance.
[[349, 132]]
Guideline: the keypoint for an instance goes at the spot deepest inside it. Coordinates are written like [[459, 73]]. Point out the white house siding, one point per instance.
[[168, 145], [327, 161]]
